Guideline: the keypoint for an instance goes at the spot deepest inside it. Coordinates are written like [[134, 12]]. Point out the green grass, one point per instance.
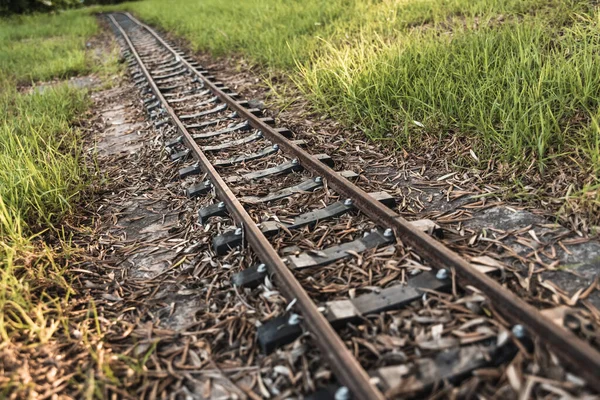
[[42, 174], [524, 88], [41, 47], [515, 81], [40, 156]]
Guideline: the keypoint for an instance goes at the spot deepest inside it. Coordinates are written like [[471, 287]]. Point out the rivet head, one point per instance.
[[442, 274], [221, 205], [318, 179], [343, 393], [294, 319], [519, 331], [261, 269], [275, 147], [238, 231], [388, 232], [348, 202], [295, 161]]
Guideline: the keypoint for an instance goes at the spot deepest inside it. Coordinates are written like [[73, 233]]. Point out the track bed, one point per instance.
[[326, 261]]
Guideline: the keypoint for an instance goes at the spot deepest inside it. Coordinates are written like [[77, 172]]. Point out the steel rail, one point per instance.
[[575, 352], [345, 366]]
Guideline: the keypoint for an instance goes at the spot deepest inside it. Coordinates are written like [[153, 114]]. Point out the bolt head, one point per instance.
[[442, 274], [207, 183], [519, 331], [348, 202], [238, 231], [388, 232], [261, 269], [294, 319], [295, 161], [343, 393], [221, 204], [275, 147], [318, 179]]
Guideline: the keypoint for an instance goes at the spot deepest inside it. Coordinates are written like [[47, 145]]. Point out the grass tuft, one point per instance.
[[522, 88], [42, 175], [40, 157]]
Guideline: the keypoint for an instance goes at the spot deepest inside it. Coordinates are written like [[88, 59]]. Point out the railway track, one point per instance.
[[230, 150]]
